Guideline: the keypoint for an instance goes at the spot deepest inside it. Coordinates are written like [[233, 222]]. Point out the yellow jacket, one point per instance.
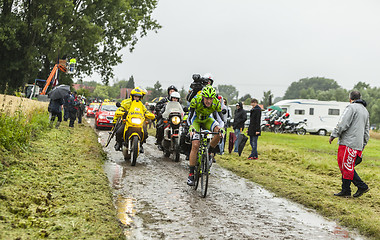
[[125, 105]]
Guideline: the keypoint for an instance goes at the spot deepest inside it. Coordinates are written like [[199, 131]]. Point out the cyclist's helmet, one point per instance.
[[174, 95], [209, 77], [172, 87], [137, 92], [208, 92], [287, 114]]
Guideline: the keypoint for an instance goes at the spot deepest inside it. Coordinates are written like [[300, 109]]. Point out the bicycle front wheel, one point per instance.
[[204, 173]]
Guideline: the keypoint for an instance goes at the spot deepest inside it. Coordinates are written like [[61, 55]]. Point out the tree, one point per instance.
[[245, 97], [156, 90], [267, 99], [34, 34], [84, 92], [131, 82], [229, 92], [277, 99], [301, 88], [361, 86], [101, 91], [183, 93]]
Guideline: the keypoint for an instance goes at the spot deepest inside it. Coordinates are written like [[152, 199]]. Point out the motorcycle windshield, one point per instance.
[[172, 107]]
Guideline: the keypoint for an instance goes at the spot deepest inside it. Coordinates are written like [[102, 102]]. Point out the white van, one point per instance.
[[322, 116]]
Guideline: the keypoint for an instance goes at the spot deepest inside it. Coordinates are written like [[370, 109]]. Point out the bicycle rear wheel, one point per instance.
[[204, 173]]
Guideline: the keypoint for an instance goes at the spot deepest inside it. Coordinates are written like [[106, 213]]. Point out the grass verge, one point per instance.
[[304, 169], [56, 188]]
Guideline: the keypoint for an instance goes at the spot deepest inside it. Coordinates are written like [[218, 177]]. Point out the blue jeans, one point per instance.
[[253, 142], [237, 133]]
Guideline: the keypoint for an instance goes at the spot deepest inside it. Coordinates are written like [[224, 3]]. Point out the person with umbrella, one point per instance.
[[254, 129], [56, 101], [54, 109], [238, 124]]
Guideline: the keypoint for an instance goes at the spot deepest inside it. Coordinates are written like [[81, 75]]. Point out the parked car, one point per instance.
[[104, 115], [91, 109]]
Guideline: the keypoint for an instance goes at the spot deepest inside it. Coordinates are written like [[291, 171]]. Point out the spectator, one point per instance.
[[55, 109], [254, 129], [353, 133], [73, 108], [229, 113], [81, 108], [225, 116], [66, 107], [239, 120]]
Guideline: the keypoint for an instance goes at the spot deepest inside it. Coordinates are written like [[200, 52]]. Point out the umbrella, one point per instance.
[[231, 141], [242, 141], [275, 108], [59, 92]]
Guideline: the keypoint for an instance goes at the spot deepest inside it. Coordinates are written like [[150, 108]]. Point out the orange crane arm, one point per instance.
[[52, 73]]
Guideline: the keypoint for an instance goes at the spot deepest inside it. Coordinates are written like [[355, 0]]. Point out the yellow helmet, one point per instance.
[[142, 90], [137, 92]]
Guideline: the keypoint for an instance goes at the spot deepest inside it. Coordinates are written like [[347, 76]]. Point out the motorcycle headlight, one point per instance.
[[176, 120], [136, 120], [102, 117]]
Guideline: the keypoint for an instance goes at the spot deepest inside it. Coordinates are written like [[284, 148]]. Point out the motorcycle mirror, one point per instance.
[[224, 111], [118, 104], [186, 109]]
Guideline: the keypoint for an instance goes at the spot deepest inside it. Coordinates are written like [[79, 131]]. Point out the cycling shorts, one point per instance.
[[207, 124]]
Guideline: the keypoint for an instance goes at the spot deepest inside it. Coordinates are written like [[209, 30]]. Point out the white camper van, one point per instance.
[[322, 116]]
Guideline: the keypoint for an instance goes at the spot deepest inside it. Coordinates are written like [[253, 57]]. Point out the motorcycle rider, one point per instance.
[[160, 124], [201, 108], [136, 95]]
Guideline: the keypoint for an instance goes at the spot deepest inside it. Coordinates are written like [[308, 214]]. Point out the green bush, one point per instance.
[[18, 130]]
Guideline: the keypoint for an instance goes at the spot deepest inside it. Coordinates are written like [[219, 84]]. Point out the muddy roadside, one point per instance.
[[154, 202]]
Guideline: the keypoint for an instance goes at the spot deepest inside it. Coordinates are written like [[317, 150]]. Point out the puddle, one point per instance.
[[126, 211]]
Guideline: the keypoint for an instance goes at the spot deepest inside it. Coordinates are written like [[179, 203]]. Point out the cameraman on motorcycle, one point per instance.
[[198, 84], [160, 125], [201, 108], [136, 94]]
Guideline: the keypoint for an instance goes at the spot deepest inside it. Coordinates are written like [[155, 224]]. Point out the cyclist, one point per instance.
[[160, 125], [202, 106]]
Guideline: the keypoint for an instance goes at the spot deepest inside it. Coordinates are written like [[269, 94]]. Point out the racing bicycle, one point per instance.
[[202, 168]]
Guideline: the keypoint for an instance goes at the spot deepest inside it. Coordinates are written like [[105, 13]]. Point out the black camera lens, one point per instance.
[[196, 77]]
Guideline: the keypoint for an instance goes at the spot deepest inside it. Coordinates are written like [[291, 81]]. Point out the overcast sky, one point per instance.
[[258, 45]]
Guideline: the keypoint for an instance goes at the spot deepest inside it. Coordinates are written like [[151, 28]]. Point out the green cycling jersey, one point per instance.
[[201, 111]]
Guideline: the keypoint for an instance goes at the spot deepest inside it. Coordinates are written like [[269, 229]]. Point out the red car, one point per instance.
[[91, 109], [104, 116]]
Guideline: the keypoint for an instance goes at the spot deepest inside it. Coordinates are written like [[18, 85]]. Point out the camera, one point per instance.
[[199, 79]]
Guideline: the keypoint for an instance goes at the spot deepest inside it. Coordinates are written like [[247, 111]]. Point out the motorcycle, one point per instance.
[[292, 127], [272, 122], [134, 133], [185, 142], [173, 129], [300, 128]]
